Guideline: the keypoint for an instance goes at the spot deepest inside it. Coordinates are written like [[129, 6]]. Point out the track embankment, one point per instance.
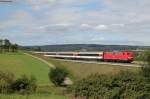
[[107, 63]]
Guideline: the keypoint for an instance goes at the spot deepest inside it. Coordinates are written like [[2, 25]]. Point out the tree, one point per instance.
[[57, 75], [6, 79], [1, 45], [14, 47], [6, 45], [24, 85], [38, 49], [146, 67]]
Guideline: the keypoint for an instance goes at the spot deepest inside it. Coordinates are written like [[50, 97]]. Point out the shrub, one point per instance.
[[57, 75], [131, 86], [6, 79], [125, 85], [146, 67], [24, 85]]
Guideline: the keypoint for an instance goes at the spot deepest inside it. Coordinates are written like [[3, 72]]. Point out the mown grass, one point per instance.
[[19, 64], [81, 70]]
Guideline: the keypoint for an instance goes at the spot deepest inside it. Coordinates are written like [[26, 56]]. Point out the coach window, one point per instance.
[[114, 53]]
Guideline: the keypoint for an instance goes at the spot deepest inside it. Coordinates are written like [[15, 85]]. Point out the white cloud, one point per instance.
[[128, 17], [86, 26], [120, 25], [101, 27], [39, 4], [63, 24]]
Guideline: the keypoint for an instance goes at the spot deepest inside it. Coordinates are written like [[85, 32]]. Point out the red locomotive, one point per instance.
[[125, 56], [115, 56]]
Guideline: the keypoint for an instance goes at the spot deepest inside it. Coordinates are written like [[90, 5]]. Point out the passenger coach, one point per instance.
[[115, 56]]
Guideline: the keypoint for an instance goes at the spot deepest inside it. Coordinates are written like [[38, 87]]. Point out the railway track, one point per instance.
[[107, 63], [82, 57]]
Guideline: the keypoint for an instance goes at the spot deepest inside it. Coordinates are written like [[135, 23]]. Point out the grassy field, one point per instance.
[[20, 64], [80, 70]]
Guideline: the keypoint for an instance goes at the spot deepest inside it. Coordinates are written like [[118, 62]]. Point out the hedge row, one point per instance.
[[125, 85], [23, 85]]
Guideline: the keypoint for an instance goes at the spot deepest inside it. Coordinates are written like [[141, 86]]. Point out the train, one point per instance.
[[114, 56]]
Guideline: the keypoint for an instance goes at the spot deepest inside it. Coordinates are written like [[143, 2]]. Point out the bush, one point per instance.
[[146, 57], [92, 86], [146, 67], [125, 85], [131, 86], [24, 85], [6, 79], [138, 56], [57, 75]]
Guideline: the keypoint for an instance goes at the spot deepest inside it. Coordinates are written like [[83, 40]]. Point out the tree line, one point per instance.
[[7, 46]]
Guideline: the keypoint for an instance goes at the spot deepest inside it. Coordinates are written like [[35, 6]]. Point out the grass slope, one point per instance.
[[81, 70], [20, 64]]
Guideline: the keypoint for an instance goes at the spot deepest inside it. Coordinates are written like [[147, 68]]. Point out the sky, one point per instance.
[[49, 22]]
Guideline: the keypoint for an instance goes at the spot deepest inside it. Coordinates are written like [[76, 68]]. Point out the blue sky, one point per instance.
[[43, 22]]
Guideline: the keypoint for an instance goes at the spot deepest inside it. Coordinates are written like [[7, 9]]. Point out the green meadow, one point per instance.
[[20, 64]]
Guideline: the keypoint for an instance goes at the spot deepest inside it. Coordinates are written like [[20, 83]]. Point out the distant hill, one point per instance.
[[84, 47]]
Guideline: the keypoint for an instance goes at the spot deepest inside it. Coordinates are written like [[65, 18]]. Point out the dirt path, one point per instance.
[[67, 80], [44, 61]]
